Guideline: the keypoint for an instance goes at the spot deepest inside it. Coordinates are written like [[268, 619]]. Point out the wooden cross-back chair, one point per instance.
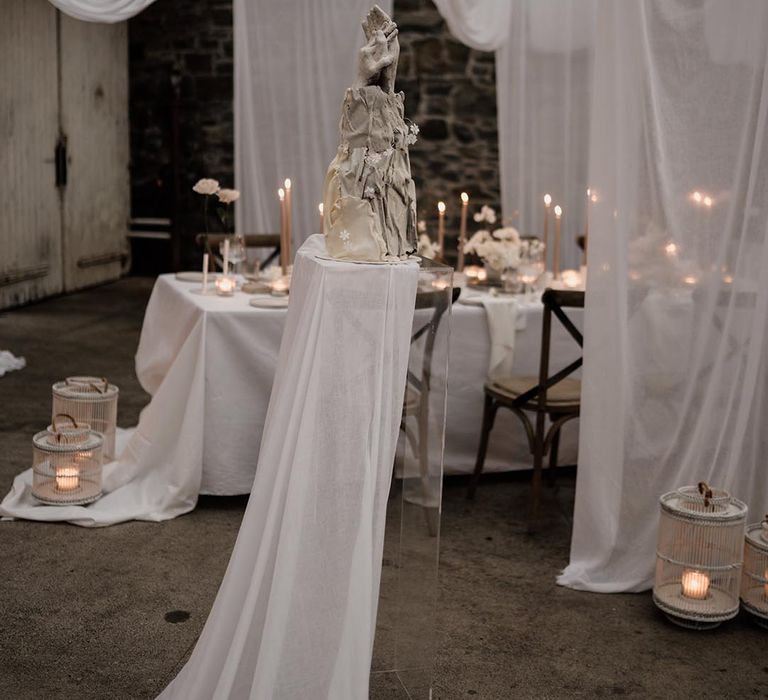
[[557, 396], [418, 385], [252, 240]]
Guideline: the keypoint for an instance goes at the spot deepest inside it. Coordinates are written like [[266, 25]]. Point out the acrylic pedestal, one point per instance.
[[406, 632]]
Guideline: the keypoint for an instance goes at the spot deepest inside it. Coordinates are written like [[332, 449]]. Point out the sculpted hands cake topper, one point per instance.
[[369, 207]]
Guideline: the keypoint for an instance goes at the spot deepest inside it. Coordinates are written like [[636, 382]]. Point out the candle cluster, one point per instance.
[[441, 208]]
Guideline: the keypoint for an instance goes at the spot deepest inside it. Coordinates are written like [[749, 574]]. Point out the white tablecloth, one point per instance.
[[295, 616], [237, 348]]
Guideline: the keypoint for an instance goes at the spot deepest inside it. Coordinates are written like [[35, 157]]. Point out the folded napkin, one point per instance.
[[504, 320]]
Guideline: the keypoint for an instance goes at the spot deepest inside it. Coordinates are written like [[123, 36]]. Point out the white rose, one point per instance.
[[508, 233], [228, 196], [206, 186]]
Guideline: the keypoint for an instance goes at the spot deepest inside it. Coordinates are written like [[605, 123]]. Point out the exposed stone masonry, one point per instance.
[[450, 93]]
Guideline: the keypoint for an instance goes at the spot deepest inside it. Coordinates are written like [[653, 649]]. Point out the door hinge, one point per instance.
[[60, 159]]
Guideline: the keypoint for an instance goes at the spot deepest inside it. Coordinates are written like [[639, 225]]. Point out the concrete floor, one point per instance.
[[113, 613]]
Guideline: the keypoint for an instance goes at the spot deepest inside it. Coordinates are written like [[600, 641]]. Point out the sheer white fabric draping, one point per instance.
[[293, 62], [480, 24], [543, 88], [107, 11], [675, 386], [295, 615]]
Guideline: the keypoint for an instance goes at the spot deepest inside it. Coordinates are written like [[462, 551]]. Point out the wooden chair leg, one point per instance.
[[489, 416], [538, 460], [553, 450]]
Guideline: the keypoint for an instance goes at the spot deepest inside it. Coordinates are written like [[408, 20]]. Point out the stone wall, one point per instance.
[[183, 48], [180, 60]]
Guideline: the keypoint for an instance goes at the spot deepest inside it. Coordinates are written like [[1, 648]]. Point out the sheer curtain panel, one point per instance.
[[675, 358], [543, 87], [293, 62]]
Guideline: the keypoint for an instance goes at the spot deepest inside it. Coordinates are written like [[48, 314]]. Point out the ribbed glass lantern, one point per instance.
[[66, 463], [90, 400], [754, 576], [699, 556]]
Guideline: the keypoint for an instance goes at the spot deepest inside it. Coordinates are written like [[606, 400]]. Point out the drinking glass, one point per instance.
[[531, 266], [237, 251]]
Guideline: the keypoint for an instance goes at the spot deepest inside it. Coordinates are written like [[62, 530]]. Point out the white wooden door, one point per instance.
[[94, 117], [30, 213]]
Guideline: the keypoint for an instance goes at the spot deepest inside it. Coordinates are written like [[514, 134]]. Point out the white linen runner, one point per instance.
[[295, 614]]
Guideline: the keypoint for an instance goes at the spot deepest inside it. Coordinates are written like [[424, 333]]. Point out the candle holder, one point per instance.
[[91, 400], [754, 574], [66, 463], [281, 286], [699, 556], [226, 285]]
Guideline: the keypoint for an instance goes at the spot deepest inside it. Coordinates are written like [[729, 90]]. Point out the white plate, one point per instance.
[[269, 302], [194, 276]]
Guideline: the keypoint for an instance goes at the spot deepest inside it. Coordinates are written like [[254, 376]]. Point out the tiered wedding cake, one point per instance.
[[370, 199]]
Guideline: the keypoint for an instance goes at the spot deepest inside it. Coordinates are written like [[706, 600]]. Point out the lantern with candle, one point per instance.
[[754, 574], [91, 400], [66, 463], [699, 556]]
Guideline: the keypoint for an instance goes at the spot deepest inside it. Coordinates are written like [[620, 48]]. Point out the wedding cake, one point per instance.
[[369, 207]]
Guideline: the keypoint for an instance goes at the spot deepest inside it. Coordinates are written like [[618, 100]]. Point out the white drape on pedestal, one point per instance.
[[295, 614], [107, 11], [293, 62], [675, 388]]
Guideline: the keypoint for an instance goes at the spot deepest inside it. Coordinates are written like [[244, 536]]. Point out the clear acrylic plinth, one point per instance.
[[405, 648]]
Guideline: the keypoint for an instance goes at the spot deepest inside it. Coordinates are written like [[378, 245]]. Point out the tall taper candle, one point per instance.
[[283, 244], [441, 228], [462, 231], [547, 204], [556, 255], [205, 273], [288, 219], [226, 257]]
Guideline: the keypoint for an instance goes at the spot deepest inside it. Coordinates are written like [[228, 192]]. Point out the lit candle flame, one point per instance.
[[287, 183], [696, 196], [464, 198], [281, 194], [558, 211], [708, 201], [670, 248], [320, 208], [547, 200], [441, 207]]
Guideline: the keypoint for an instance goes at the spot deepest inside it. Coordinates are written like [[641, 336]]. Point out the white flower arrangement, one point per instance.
[[487, 214], [206, 186], [227, 196], [427, 249], [499, 250]]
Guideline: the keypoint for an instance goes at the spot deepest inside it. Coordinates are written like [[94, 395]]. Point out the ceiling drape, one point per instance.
[[480, 24], [107, 11], [675, 388]]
